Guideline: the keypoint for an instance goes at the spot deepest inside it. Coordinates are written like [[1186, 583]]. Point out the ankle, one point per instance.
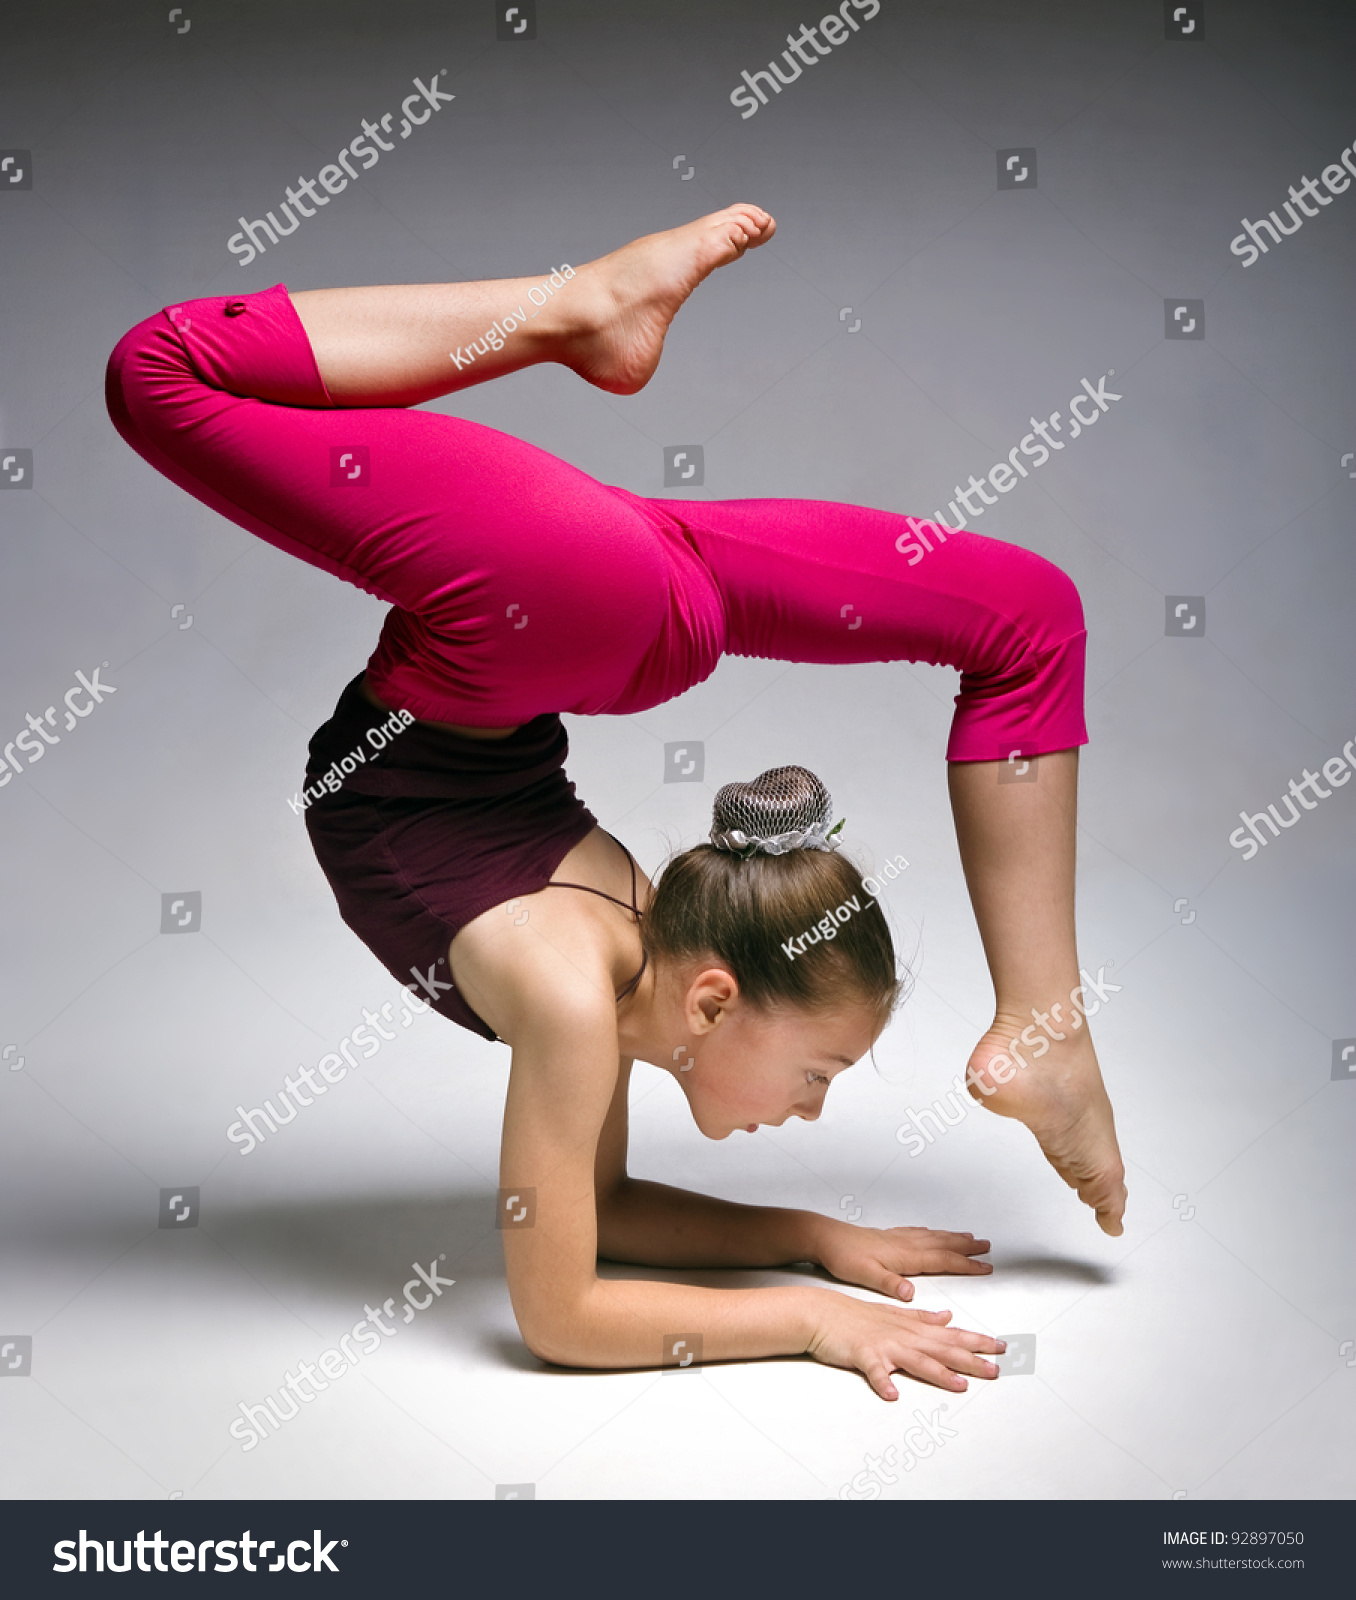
[[1036, 1028], [583, 309], [569, 330], [1055, 1003]]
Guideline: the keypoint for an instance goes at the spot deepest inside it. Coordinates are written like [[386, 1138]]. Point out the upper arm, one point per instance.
[[609, 1169], [562, 1096], [550, 994]]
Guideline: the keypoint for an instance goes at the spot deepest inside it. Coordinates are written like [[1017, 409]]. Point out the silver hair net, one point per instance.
[[785, 808]]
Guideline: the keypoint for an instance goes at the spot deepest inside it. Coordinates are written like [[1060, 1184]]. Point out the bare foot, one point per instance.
[[1061, 1098], [637, 290]]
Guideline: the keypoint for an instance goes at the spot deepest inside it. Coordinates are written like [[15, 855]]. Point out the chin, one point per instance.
[[711, 1128], [718, 1135], [704, 1128]]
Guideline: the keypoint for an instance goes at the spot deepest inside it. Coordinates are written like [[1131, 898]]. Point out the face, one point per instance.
[[743, 1069]]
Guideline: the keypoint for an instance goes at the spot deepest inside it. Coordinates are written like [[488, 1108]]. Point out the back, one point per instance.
[[421, 830]]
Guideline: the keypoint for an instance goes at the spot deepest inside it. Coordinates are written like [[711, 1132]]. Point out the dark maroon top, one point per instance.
[[429, 829]]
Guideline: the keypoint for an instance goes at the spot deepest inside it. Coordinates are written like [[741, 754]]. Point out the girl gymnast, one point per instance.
[[520, 589]]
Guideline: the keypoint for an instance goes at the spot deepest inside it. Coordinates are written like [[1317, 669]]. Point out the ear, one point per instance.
[[711, 993]]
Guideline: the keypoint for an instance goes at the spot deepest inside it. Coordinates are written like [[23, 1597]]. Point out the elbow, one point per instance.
[[555, 1333], [540, 1343], [550, 1341]]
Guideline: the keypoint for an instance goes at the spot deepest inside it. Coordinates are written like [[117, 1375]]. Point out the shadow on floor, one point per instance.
[[1058, 1269]]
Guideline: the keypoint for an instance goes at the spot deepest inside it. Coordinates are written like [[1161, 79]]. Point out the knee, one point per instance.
[[118, 381], [1047, 604], [141, 372]]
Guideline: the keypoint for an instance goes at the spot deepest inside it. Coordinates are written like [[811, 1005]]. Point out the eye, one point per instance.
[[815, 1077]]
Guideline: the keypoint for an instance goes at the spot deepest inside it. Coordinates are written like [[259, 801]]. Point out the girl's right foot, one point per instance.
[[1062, 1099], [628, 298]]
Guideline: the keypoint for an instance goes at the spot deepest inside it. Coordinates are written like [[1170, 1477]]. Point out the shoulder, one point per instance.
[[540, 972]]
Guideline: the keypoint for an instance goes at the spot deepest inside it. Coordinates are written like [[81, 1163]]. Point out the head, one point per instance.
[[773, 972]]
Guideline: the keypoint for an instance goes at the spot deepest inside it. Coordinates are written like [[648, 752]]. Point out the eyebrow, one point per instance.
[[843, 1061]]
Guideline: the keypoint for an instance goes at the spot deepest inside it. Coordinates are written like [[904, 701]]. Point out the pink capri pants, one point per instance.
[[521, 586]]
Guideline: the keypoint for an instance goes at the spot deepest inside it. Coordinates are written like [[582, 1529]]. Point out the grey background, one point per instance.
[[1204, 1351]]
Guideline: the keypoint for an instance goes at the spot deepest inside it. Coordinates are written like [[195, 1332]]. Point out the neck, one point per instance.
[[640, 1032]]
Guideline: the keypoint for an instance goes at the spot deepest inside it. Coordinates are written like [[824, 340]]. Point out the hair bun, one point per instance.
[[784, 808]]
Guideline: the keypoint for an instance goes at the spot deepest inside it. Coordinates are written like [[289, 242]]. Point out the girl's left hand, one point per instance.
[[876, 1258]]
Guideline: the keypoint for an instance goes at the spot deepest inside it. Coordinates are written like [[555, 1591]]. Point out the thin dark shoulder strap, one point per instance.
[[561, 883]]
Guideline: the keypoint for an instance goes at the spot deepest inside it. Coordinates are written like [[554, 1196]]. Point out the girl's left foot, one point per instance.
[[634, 293]]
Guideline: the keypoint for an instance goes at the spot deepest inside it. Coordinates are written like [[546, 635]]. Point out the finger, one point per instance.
[[964, 1265], [878, 1375], [981, 1341], [919, 1364], [976, 1365], [941, 1261], [951, 1349], [965, 1243], [896, 1287], [941, 1318]]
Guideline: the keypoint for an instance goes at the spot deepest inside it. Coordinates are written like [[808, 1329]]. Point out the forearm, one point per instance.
[[634, 1324], [651, 1224]]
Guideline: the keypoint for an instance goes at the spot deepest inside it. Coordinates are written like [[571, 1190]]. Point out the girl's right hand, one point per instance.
[[877, 1340]]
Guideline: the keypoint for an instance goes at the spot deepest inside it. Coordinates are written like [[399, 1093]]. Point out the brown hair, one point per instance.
[[770, 918]]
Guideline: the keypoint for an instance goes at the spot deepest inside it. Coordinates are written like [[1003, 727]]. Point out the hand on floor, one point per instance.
[[877, 1258], [878, 1341]]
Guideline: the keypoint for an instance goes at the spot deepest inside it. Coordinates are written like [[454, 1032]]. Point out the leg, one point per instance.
[[389, 345], [498, 615], [819, 582], [1017, 843]]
